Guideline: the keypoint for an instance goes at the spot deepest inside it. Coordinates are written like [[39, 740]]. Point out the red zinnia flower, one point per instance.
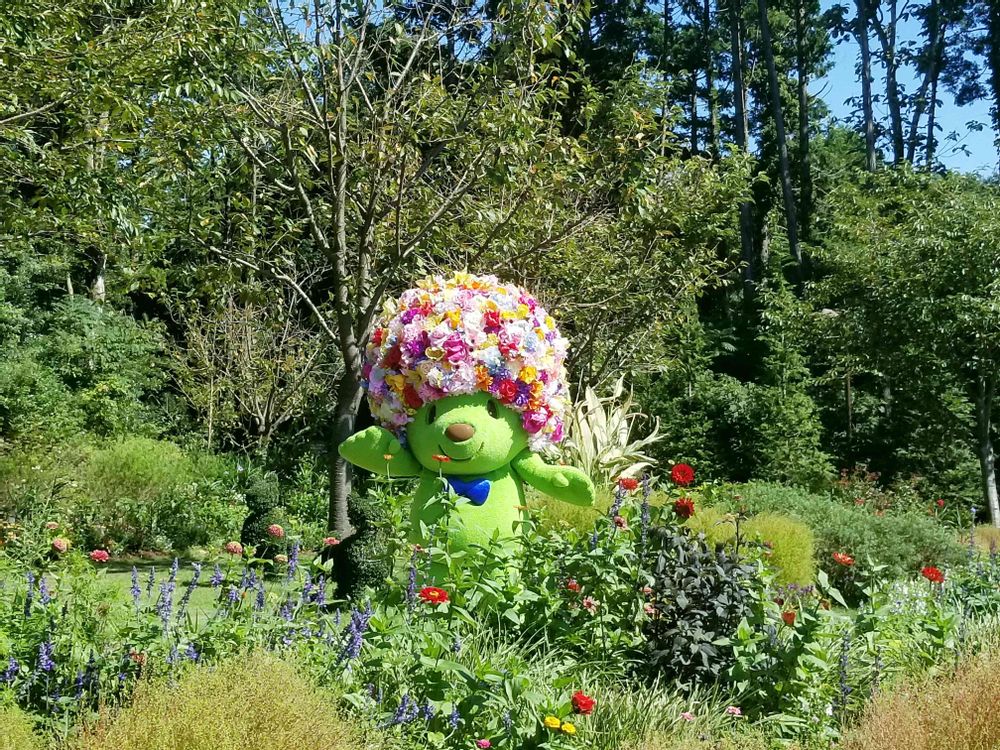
[[99, 556], [276, 531], [628, 483], [843, 559], [234, 548], [789, 617], [433, 595], [330, 541], [682, 474], [582, 703], [940, 502], [932, 574], [60, 545], [621, 522], [684, 507], [572, 585]]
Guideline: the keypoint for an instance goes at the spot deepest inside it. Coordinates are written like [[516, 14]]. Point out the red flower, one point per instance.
[[789, 617], [628, 483], [491, 319], [330, 541], [99, 556], [843, 559], [682, 474], [572, 585], [377, 336], [392, 359], [276, 531], [940, 502], [621, 522], [433, 595], [507, 390], [684, 507], [932, 574], [234, 548], [411, 398], [582, 703], [59, 544]]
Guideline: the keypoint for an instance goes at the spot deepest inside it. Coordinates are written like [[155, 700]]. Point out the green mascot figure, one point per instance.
[[466, 376]]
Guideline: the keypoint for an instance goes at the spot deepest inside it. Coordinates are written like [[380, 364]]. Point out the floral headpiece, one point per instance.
[[462, 335]]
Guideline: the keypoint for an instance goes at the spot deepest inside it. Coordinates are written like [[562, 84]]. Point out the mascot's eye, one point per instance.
[[432, 414], [493, 409]]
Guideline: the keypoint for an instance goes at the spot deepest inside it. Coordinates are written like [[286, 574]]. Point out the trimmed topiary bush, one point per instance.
[[364, 560], [17, 730], [262, 494], [255, 701], [791, 543]]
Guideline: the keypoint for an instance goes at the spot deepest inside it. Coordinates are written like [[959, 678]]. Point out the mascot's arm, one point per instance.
[[369, 448], [566, 483]]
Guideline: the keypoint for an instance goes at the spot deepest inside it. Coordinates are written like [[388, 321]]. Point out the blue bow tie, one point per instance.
[[477, 490]]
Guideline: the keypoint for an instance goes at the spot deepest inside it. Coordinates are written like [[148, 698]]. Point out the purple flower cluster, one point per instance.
[[45, 661], [8, 675], [354, 637], [217, 577], [406, 712], [135, 590]]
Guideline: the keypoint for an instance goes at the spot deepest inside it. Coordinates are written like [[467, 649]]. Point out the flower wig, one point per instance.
[[462, 335]]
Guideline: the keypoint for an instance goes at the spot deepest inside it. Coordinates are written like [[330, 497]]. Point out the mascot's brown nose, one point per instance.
[[460, 431]]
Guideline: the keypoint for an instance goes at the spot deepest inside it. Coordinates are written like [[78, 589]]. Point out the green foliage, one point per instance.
[[130, 494], [902, 541], [788, 545], [256, 698], [365, 560], [17, 730], [700, 596]]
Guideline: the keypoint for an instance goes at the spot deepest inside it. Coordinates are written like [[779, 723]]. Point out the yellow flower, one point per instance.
[[522, 311], [552, 722], [528, 374], [454, 317], [396, 382], [568, 728]]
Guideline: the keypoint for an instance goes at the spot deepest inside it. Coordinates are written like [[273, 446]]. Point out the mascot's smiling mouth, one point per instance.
[[460, 460]]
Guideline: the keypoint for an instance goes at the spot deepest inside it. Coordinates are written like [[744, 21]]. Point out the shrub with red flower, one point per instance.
[[621, 522], [682, 474], [330, 541], [583, 703], [573, 585], [684, 507], [433, 595], [932, 574], [789, 617], [276, 531], [591, 604], [99, 556], [234, 548], [628, 483], [842, 558], [940, 502]]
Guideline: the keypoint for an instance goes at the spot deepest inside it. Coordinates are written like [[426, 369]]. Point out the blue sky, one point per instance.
[[841, 84]]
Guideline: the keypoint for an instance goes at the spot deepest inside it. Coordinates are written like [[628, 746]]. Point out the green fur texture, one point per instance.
[[496, 448]]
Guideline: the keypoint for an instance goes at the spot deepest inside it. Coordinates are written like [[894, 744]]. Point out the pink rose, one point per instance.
[[99, 556]]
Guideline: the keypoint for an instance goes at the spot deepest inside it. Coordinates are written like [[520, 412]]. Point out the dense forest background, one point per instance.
[[204, 206]]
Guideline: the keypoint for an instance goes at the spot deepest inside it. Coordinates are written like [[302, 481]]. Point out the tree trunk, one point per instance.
[[97, 291], [713, 103], [984, 446], [694, 112], [887, 38], [779, 127], [740, 102], [805, 168], [866, 84], [993, 58], [349, 395]]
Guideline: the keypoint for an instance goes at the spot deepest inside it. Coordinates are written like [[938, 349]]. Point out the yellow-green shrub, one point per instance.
[[17, 730], [792, 543], [987, 538], [793, 547], [957, 713], [255, 701]]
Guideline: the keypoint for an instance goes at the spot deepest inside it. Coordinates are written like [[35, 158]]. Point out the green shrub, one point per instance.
[[700, 595], [792, 544], [262, 495], [254, 701], [17, 730], [901, 541]]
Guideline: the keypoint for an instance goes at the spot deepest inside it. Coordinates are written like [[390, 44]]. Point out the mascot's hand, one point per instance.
[[566, 483], [369, 448]]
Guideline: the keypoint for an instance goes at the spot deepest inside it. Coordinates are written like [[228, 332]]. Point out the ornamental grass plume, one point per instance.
[[254, 701], [958, 712], [17, 730]]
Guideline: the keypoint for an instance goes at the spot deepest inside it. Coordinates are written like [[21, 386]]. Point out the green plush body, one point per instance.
[[483, 440]]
